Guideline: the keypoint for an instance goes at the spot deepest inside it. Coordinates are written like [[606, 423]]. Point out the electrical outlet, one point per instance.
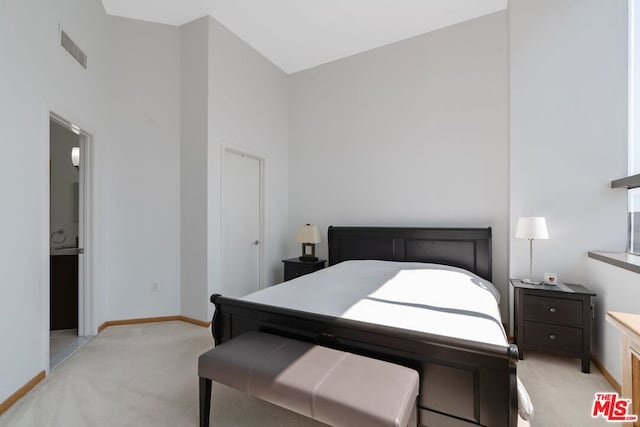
[[155, 287]]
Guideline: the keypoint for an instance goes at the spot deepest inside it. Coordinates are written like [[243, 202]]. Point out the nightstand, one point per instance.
[[294, 267], [553, 318]]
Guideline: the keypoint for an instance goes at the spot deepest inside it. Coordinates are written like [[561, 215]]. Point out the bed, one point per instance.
[[465, 379]]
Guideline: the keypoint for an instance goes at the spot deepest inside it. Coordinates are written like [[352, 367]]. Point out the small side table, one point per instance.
[[553, 318], [294, 267]]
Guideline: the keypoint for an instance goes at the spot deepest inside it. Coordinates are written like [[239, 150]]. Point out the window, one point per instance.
[[632, 182], [634, 221]]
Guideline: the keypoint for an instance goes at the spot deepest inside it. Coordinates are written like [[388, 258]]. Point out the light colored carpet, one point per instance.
[[63, 343], [561, 394], [139, 375], [145, 375]]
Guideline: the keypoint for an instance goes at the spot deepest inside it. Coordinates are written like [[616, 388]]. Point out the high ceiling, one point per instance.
[[300, 34]]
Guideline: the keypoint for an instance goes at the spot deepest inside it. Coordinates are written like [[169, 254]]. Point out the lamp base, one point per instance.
[[531, 282], [308, 252]]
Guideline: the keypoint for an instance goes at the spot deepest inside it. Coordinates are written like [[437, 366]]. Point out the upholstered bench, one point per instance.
[[331, 386]]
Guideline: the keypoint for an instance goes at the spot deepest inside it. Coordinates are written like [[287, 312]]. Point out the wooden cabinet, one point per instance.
[[63, 288], [629, 327], [553, 318], [294, 267]]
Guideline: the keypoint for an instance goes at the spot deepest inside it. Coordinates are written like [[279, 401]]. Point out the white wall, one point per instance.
[[36, 75], [194, 66], [248, 111], [617, 290], [64, 204], [144, 171], [414, 133], [568, 130], [132, 155], [232, 97]]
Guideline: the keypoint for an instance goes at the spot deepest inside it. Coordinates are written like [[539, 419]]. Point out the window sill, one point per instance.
[[618, 259], [628, 182]]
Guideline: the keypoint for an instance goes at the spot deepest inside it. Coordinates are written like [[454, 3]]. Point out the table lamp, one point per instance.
[[531, 228], [309, 236]]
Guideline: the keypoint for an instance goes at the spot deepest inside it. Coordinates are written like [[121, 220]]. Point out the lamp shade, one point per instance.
[[308, 234], [75, 156], [532, 227]]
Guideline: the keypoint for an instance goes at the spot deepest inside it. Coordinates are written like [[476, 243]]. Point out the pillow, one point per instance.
[[525, 407]]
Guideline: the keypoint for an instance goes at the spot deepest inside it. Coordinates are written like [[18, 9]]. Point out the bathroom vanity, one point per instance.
[[63, 290]]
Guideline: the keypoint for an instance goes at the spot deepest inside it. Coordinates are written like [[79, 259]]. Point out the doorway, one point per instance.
[[242, 223], [68, 310]]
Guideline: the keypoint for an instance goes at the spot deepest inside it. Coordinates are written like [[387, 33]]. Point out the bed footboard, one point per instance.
[[462, 383]]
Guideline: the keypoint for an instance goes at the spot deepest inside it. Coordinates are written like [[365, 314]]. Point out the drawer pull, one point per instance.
[[552, 336], [553, 309]]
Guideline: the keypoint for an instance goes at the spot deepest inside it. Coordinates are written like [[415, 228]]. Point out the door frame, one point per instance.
[[86, 261], [261, 234]]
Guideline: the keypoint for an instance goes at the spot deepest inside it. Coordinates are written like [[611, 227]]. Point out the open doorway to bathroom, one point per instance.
[[67, 239]]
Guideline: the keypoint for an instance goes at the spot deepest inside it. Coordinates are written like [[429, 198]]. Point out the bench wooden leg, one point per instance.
[[205, 401]]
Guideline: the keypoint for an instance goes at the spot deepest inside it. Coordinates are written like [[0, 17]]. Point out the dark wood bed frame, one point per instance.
[[462, 383]]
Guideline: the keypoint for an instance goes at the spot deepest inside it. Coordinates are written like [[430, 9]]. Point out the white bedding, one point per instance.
[[430, 298]]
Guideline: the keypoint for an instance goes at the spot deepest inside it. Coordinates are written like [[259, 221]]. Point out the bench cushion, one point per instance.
[[331, 386]]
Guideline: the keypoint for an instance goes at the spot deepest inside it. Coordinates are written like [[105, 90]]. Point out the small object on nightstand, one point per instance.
[[550, 278], [295, 267], [553, 318]]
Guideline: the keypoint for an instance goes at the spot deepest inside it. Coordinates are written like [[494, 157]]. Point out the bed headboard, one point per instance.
[[468, 248]]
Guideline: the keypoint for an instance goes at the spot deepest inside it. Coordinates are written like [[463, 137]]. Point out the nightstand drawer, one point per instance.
[[553, 310], [296, 270], [553, 337], [295, 267]]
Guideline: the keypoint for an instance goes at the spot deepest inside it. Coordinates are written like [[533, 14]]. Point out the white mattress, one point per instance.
[[421, 297]]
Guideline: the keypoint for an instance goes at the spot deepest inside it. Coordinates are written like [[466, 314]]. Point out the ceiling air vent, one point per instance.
[[73, 49]]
